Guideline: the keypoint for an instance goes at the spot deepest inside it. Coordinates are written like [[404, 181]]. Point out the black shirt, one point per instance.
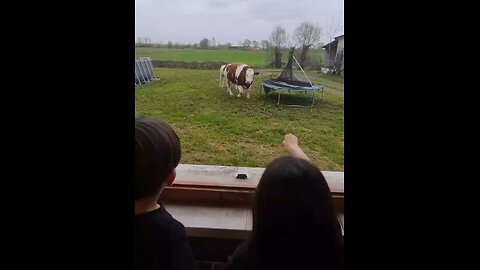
[[161, 242], [238, 259]]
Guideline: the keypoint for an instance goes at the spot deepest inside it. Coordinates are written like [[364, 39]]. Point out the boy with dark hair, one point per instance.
[[160, 240]]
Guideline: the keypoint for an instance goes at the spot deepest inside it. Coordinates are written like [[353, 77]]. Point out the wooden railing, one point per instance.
[[211, 201], [215, 206]]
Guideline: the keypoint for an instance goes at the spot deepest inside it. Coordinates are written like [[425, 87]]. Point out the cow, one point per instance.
[[240, 75], [222, 80]]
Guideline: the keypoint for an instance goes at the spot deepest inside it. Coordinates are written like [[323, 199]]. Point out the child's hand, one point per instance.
[[290, 141]]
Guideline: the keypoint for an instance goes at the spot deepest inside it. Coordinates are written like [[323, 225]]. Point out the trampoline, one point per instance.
[[288, 82]]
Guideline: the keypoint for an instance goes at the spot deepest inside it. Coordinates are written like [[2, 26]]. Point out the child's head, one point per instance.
[[293, 211], [157, 154]]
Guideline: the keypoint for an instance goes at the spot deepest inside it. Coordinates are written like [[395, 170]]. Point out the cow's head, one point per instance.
[[249, 75]]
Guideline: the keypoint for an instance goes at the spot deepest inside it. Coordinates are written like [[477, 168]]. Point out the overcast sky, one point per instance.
[[188, 21]]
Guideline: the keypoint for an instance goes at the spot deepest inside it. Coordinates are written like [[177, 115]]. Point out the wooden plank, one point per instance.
[[209, 196], [215, 221], [217, 185], [212, 221], [225, 176], [221, 196]]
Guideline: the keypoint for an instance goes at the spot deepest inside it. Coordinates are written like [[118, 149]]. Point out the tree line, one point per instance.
[[306, 36]]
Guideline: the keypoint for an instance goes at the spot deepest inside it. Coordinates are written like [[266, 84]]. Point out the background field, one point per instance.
[[254, 58], [217, 129]]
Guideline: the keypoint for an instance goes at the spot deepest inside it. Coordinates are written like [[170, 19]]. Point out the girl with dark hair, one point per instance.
[[295, 225]]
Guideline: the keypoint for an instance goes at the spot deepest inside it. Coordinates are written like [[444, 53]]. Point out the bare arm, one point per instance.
[[291, 144]]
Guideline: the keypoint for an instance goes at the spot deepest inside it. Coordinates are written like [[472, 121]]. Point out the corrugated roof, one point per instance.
[[334, 42]]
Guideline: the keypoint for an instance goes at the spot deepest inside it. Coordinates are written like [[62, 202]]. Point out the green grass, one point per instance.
[[331, 77], [217, 129], [254, 58]]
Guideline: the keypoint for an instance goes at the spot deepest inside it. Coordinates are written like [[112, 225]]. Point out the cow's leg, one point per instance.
[[248, 92], [228, 88], [222, 81], [240, 90]]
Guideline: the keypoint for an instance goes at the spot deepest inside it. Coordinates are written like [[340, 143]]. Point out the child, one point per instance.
[[160, 240], [294, 221]]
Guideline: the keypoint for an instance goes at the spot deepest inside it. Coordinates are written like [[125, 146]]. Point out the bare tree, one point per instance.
[[255, 44], [204, 43], [338, 66], [264, 44], [333, 27], [306, 35], [246, 43], [278, 37]]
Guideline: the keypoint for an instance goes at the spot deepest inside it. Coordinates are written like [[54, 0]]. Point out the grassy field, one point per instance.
[[216, 129], [339, 79], [254, 58]]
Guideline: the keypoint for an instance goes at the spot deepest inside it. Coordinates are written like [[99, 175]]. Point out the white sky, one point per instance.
[[188, 21]]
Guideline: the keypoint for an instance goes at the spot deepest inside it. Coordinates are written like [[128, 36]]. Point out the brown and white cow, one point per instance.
[[223, 79], [240, 75]]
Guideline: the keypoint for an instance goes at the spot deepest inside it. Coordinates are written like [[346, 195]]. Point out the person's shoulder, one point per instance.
[[176, 228], [160, 219]]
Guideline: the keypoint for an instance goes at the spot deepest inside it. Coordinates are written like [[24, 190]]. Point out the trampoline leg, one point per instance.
[[313, 99]]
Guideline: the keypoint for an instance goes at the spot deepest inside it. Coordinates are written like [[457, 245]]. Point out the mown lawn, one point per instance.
[[217, 129]]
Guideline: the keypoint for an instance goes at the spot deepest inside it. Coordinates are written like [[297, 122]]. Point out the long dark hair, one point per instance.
[[295, 225]]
